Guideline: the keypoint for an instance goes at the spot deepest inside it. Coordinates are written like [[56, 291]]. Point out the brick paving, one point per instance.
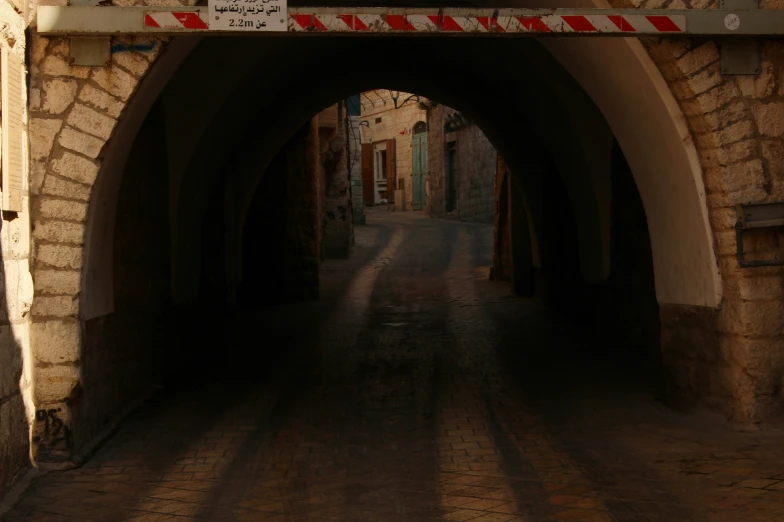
[[415, 391]]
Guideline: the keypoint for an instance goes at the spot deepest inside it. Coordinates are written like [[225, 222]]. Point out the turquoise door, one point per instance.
[[419, 170]]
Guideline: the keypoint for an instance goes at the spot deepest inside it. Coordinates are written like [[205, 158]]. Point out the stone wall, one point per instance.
[[337, 222], [16, 366], [355, 171], [73, 111], [302, 216], [516, 253], [731, 359], [395, 124], [436, 190], [502, 241], [69, 145], [476, 168]]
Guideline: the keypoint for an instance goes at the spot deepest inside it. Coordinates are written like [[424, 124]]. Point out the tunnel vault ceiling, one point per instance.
[[525, 102]]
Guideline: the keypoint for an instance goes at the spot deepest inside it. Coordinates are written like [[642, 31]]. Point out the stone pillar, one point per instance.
[[502, 251], [522, 251], [729, 359], [302, 215], [338, 232], [515, 238], [435, 161], [355, 171], [694, 371]]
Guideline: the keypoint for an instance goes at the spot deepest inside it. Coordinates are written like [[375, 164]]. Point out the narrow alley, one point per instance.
[[414, 390]]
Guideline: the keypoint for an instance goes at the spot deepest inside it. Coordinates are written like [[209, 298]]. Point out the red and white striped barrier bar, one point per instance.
[[109, 20], [177, 20], [389, 23], [380, 23]]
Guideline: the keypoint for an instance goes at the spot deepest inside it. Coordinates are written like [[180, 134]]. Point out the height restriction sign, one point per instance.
[[248, 15]]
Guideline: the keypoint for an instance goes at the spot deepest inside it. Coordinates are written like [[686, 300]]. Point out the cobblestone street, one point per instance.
[[415, 390]]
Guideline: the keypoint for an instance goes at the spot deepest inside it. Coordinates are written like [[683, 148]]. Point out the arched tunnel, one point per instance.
[[368, 386], [219, 125]]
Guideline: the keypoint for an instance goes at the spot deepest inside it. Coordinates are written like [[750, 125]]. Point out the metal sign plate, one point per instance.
[[90, 51], [738, 56], [248, 15]]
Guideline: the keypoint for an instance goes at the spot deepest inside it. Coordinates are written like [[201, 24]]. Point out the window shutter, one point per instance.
[[12, 130]]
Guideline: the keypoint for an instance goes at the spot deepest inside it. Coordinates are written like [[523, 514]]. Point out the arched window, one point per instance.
[[420, 127]]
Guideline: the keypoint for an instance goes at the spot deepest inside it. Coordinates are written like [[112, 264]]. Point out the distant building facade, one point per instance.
[[461, 167], [393, 130]]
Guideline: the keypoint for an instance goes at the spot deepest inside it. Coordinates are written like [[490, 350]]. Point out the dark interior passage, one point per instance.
[[262, 252], [237, 217], [273, 257], [249, 231], [125, 353], [249, 205], [560, 257], [627, 298]]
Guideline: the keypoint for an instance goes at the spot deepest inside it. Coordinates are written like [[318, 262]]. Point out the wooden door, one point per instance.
[[391, 171], [419, 170], [368, 181]]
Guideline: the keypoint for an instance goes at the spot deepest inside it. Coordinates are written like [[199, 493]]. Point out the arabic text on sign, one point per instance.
[[248, 15]]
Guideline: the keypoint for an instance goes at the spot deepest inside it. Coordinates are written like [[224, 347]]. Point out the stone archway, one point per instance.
[[667, 93]]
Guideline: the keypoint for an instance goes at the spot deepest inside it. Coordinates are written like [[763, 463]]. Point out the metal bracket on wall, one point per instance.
[[739, 55], [756, 216], [90, 50]]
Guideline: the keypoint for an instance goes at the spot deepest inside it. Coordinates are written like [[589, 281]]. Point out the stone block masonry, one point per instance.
[[475, 170], [73, 112], [337, 222], [303, 214], [476, 167], [728, 359]]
